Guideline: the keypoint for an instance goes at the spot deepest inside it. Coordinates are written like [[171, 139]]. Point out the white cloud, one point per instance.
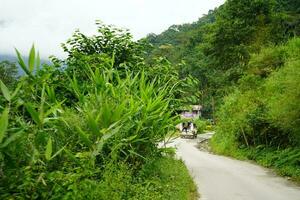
[[48, 23]]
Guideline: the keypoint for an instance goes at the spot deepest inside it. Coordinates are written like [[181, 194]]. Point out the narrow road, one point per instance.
[[223, 178]]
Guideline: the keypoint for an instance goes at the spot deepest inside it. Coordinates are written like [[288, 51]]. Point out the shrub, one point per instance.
[[263, 111], [85, 129], [201, 125]]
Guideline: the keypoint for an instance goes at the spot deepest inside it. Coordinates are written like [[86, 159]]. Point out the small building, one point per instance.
[[188, 115], [191, 112]]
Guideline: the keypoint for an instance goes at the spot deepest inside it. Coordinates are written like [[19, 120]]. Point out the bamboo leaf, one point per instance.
[[3, 124], [31, 59], [33, 113], [51, 93], [41, 108], [84, 137], [22, 64], [107, 133], [137, 154], [5, 91], [16, 90], [48, 151], [53, 109], [58, 152], [70, 155], [38, 62]]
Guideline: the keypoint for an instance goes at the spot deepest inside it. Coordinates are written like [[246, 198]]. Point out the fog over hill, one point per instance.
[[8, 57], [13, 58]]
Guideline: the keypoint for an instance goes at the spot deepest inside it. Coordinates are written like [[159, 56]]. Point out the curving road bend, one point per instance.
[[223, 178]]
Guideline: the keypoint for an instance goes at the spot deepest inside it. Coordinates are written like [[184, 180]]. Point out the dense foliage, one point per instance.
[[217, 48], [8, 73], [85, 127], [263, 112], [89, 126], [245, 55], [264, 108]]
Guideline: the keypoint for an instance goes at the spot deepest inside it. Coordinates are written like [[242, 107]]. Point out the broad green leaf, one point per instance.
[[3, 124], [5, 91], [22, 64], [48, 151], [33, 113], [31, 59]]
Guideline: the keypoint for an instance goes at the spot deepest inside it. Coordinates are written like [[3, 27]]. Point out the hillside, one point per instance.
[[99, 123], [217, 48], [243, 54]]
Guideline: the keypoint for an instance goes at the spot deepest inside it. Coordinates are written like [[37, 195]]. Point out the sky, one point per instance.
[[48, 23]]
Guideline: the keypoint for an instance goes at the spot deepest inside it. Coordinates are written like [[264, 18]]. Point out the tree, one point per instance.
[[8, 73], [109, 40]]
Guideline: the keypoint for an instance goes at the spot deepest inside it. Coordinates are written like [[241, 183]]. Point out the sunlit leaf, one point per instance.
[[58, 152], [22, 64], [5, 91], [38, 62], [83, 136], [33, 113], [16, 90], [3, 124], [41, 108], [31, 59], [48, 151]]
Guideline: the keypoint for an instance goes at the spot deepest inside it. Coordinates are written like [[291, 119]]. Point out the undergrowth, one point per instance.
[[285, 162], [259, 120], [89, 127]]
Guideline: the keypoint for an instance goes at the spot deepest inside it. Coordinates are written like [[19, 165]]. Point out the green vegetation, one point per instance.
[[260, 119], [167, 179], [88, 127], [217, 48], [245, 55], [201, 125], [8, 73]]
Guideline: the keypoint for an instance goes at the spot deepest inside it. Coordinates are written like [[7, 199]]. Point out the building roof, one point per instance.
[[197, 107], [190, 108]]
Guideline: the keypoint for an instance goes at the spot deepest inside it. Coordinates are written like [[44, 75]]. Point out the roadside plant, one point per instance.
[[64, 126]]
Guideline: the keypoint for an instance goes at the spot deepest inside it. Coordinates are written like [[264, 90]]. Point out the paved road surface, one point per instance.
[[222, 178]]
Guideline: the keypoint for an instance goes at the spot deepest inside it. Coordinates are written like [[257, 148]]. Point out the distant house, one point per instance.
[[189, 114]]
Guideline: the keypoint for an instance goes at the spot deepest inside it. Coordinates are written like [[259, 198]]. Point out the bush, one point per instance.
[[201, 126], [286, 162], [87, 128], [282, 89], [263, 111], [165, 178]]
